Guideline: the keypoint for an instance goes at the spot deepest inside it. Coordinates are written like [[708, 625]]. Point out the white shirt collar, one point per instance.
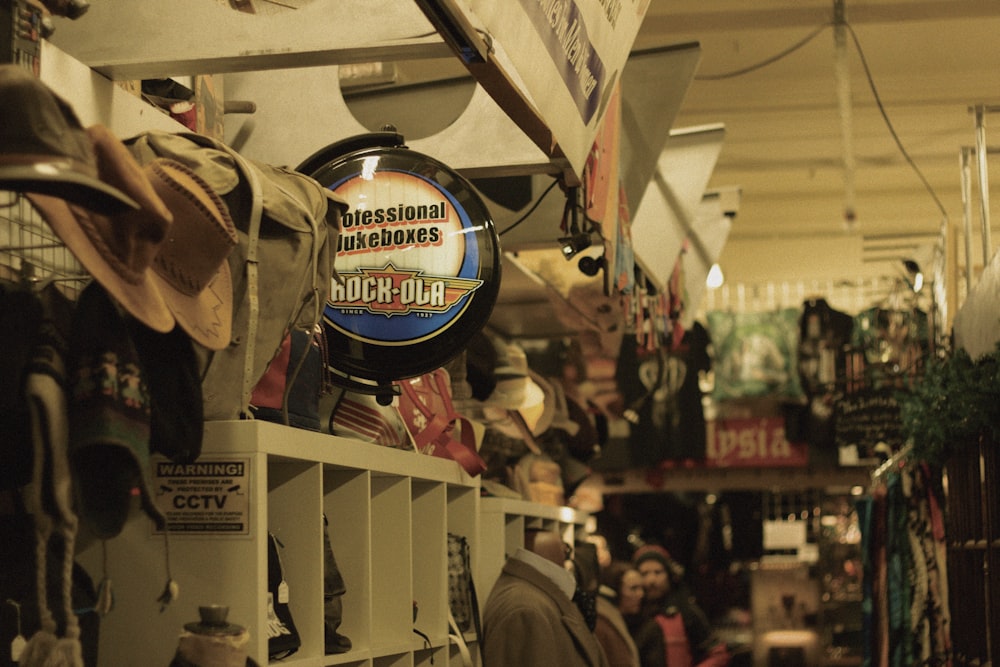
[[559, 575]]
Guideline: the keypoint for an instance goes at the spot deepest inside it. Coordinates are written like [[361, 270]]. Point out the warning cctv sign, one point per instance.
[[205, 497]]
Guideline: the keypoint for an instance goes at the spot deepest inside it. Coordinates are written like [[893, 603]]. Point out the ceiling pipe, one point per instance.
[[984, 181], [842, 72], [965, 160]]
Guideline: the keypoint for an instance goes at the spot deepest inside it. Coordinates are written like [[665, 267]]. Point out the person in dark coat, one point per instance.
[[530, 619], [674, 632]]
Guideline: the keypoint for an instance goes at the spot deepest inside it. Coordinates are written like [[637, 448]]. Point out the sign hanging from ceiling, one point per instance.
[[569, 54], [418, 263]]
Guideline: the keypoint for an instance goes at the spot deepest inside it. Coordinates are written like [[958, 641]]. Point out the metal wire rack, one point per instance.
[[31, 253]]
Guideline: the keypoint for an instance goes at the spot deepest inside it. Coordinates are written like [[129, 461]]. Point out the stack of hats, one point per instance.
[[155, 240], [515, 388]]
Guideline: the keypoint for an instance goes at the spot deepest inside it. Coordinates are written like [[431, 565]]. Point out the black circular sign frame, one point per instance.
[[388, 345]]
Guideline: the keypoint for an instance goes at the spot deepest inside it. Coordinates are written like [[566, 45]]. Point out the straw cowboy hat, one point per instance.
[[190, 269]]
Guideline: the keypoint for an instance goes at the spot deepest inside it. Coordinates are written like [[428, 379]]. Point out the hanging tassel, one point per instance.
[[40, 645], [171, 590], [68, 652], [105, 593]]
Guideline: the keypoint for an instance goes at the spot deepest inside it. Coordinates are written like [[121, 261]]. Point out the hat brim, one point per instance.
[[142, 299], [58, 179], [538, 407], [207, 317]]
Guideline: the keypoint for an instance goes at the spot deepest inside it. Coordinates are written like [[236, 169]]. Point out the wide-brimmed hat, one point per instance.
[[117, 250], [44, 148], [191, 268], [515, 387]]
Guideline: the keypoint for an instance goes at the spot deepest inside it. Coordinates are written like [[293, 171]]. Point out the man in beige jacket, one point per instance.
[[530, 619]]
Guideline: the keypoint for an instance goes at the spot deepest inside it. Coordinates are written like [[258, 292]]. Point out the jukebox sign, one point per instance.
[[418, 263]]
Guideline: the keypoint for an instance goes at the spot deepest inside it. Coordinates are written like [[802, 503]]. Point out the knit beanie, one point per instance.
[[660, 554], [652, 552]]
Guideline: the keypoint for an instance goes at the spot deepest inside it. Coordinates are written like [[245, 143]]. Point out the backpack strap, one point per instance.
[[253, 285], [253, 238]]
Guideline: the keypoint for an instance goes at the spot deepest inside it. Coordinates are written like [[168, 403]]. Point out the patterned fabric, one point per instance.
[[461, 592], [360, 416], [899, 563], [586, 602], [905, 614], [660, 388], [756, 354], [893, 342]]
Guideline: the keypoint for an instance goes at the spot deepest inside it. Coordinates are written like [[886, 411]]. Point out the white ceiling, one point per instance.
[[929, 61]]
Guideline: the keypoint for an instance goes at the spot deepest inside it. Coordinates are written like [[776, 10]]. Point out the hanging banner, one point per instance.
[[752, 443], [569, 56], [604, 203]]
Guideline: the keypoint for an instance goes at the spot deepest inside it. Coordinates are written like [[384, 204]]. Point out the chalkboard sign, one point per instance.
[[867, 418]]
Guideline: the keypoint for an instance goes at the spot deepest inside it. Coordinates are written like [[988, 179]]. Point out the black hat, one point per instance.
[[44, 148], [109, 417]]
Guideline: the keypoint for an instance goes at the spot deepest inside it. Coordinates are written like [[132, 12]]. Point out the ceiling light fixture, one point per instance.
[[715, 277], [916, 275]]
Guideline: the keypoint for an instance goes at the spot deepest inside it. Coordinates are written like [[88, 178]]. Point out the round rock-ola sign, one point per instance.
[[418, 264]]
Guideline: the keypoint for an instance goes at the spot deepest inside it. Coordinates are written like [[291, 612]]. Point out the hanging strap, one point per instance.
[[253, 238], [455, 635], [438, 429]]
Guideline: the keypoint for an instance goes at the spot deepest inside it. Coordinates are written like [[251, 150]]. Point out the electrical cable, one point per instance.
[[871, 84], [530, 210], [767, 61], [888, 123]]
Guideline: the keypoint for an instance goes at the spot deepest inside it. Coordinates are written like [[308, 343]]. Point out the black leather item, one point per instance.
[[333, 598]]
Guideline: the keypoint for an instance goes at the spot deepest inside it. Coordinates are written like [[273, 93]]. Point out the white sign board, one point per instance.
[[568, 55], [209, 496], [784, 534]]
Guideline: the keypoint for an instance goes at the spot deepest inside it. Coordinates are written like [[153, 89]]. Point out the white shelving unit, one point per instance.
[[389, 513]]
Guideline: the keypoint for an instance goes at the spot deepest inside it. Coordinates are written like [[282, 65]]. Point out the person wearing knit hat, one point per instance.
[[655, 552], [674, 631]]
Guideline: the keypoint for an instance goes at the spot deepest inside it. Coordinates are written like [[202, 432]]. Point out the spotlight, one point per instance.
[[913, 269], [572, 245], [590, 266]]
